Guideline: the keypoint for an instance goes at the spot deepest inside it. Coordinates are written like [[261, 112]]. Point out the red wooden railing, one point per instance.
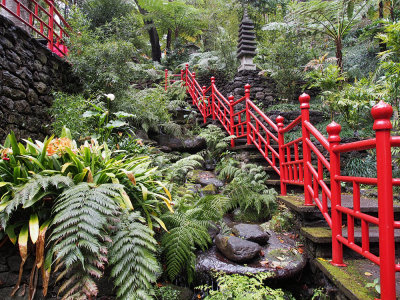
[[44, 20], [301, 162]]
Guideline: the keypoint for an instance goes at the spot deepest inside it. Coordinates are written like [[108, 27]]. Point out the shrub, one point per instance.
[[87, 194], [67, 110]]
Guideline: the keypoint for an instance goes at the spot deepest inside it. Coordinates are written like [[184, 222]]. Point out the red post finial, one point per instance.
[[279, 121], [382, 112], [194, 74], [187, 66], [231, 98], [213, 80], [204, 88], [247, 90], [304, 101], [333, 130]]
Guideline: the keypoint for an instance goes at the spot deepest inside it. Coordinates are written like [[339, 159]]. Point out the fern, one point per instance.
[[81, 215], [31, 192], [177, 171], [179, 244], [217, 141], [135, 267], [211, 207]]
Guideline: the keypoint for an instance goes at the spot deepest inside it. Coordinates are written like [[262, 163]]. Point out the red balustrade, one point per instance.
[[44, 20], [313, 161]]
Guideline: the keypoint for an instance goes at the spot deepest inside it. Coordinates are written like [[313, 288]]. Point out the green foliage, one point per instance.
[[100, 12], [186, 232], [67, 111], [217, 141], [81, 213], [132, 253], [100, 60], [81, 191], [282, 221], [149, 107], [283, 52], [166, 293], [360, 166], [247, 188], [354, 102], [243, 287], [177, 171], [106, 122]]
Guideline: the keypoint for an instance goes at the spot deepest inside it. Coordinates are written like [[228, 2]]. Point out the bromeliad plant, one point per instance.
[[84, 197]]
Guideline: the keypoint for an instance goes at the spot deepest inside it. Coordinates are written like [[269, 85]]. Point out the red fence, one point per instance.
[[44, 20], [301, 161]]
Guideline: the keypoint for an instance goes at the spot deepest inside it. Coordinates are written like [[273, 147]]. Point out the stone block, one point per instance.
[[13, 93]]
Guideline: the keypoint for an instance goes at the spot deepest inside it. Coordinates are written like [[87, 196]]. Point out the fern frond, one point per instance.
[[82, 213], [181, 241], [177, 171], [134, 265]]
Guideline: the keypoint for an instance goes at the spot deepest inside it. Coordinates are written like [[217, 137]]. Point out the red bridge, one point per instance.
[[43, 20], [301, 162]]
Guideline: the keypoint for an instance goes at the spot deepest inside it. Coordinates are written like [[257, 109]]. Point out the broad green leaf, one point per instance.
[[115, 124], [89, 114], [34, 227], [4, 184], [14, 143], [66, 133], [11, 233], [145, 191], [23, 236]]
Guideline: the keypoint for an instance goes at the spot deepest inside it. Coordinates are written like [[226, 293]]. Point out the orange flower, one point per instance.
[[59, 146], [4, 153]]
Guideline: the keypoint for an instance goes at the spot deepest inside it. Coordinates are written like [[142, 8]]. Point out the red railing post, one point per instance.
[[333, 130], [281, 142], [186, 74], [231, 119], [213, 97], [247, 96], [193, 88], [382, 112], [305, 117], [204, 88], [166, 79], [51, 25]]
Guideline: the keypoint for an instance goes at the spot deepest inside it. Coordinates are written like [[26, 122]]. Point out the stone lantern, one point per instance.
[[247, 44]]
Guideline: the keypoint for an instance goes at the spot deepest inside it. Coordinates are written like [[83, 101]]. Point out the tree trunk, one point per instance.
[[339, 54], [169, 40], [153, 36], [382, 46]]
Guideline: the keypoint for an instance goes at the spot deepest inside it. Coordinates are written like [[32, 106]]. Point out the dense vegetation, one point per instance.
[[100, 198]]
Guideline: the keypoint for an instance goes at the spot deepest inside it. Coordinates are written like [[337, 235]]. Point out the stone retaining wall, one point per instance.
[[29, 73]]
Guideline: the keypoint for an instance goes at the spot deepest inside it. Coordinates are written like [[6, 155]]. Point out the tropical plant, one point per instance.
[[333, 18], [81, 192], [243, 287], [102, 116], [217, 141], [247, 189], [188, 230]]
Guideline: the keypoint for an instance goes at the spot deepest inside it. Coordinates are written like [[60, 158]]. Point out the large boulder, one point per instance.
[[184, 144], [237, 249], [251, 232], [204, 178]]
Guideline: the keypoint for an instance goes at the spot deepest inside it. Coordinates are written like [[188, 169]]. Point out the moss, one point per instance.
[[210, 189], [317, 232], [348, 277]]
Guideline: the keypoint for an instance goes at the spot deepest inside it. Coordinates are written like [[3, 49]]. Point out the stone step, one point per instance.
[[318, 240], [352, 279], [367, 205]]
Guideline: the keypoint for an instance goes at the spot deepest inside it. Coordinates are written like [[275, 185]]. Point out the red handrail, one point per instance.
[[53, 29], [309, 170]]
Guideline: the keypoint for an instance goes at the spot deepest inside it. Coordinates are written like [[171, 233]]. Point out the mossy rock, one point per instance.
[[209, 189]]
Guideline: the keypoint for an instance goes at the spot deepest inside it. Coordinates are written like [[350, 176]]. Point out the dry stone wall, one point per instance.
[[29, 73]]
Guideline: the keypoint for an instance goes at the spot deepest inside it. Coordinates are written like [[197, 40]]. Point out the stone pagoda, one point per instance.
[[247, 44]]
